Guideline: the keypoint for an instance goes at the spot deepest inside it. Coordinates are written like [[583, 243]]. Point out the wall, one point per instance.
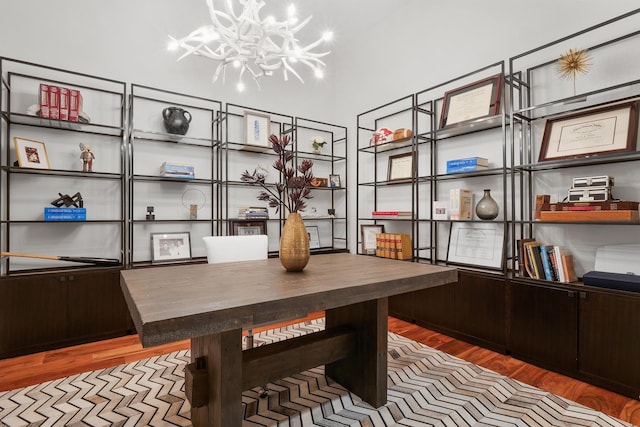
[[383, 50]]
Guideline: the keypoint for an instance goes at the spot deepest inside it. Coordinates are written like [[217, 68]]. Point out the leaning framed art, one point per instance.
[[31, 154], [476, 244], [476, 100], [170, 246]]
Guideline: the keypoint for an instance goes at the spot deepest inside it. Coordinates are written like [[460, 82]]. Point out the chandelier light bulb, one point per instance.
[[256, 47], [327, 36]]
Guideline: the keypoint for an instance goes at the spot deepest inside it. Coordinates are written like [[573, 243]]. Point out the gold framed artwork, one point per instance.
[[31, 154]]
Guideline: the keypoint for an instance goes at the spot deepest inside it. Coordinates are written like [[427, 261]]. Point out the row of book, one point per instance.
[[545, 262], [60, 103], [391, 214], [253, 212], [393, 245]]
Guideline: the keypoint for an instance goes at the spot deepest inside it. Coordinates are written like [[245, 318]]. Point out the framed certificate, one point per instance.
[[611, 129], [473, 101], [368, 237], [476, 244], [401, 167], [170, 246], [314, 237]]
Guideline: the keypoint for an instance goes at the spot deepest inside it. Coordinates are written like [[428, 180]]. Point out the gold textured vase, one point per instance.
[[294, 243]]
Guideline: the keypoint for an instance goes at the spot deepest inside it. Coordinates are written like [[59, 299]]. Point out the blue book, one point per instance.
[[546, 264], [468, 161], [65, 214]]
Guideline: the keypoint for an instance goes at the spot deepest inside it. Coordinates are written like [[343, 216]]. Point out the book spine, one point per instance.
[[379, 244], [558, 257], [470, 168], [44, 100], [567, 265], [54, 102], [64, 103], [545, 263], [74, 102], [469, 161]]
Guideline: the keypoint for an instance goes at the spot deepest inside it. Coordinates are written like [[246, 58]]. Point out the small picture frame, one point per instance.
[[476, 100], [401, 168], [368, 237], [31, 154], [606, 130], [247, 228], [314, 237], [334, 181], [172, 246], [257, 128]]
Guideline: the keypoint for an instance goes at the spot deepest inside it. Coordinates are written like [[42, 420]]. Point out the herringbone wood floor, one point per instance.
[[36, 368]]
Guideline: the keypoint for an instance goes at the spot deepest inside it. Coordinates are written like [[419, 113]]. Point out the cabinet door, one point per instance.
[[34, 313], [434, 307], [97, 308], [480, 308], [609, 340], [544, 325], [402, 306]]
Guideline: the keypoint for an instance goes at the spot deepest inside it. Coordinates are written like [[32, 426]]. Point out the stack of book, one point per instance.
[[59, 103], [253, 212], [65, 214], [391, 214], [545, 262], [395, 246], [460, 204], [177, 170], [469, 164]]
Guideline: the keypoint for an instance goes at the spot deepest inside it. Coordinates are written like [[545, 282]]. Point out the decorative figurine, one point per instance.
[[66, 201], [87, 157], [150, 215], [317, 143]]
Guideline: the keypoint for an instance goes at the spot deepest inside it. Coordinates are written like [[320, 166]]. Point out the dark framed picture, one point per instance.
[[31, 154], [401, 167], [476, 244], [257, 128], [247, 228], [368, 237], [611, 129], [170, 246], [334, 181], [473, 101], [314, 237]]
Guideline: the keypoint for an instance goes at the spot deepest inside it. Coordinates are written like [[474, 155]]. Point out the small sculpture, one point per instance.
[[67, 201], [317, 143], [150, 215], [176, 120], [87, 157]]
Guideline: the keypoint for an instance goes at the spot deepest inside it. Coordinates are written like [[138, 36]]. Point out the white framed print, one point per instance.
[[170, 246], [476, 244]]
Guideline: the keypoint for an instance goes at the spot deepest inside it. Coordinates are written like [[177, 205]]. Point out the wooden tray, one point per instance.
[[595, 216]]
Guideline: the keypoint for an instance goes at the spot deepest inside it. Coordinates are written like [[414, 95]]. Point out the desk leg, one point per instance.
[[223, 354], [365, 374]]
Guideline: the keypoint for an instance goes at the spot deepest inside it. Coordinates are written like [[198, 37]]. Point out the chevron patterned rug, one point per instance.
[[426, 388]]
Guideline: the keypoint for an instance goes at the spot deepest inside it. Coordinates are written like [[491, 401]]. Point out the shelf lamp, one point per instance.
[[252, 45]]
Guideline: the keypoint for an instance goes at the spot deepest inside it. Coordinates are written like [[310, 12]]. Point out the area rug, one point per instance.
[[426, 388]]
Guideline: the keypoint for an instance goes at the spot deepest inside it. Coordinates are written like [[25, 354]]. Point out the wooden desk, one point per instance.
[[212, 303]]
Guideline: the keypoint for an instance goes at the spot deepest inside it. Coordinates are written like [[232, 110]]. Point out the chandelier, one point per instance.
[[252, 46]]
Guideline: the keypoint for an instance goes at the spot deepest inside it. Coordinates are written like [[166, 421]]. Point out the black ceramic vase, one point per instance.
[[487, 208], [176, 120]]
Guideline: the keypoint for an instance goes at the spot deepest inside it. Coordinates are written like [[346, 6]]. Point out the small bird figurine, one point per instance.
[[317, 143]]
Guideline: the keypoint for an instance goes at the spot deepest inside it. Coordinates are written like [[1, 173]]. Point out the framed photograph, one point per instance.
[[170, 246], [401, 167], [476, 244], [334, 181], [611, 129], [368, 237], [31, 154], [473, 101], [314, 237], [247, 228], [257, 128]]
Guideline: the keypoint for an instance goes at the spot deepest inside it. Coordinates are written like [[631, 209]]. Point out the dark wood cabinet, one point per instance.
[[609, 340], [544, 325], [472, 309], [33, 313], [46, 311]]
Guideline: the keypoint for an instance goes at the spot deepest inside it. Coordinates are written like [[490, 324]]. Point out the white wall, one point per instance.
[[388, 48]]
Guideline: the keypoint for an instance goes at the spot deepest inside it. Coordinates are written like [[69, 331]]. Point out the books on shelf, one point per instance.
[[460, 204], [65, 214], [394, 245], [177, 170], [391, 214], [545, 262], [468, 164], [253, 212]]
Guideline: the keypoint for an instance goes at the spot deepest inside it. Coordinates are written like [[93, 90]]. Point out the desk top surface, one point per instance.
[[172, 303]]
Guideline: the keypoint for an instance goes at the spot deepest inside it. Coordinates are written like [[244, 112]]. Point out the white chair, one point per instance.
[[237, 248]]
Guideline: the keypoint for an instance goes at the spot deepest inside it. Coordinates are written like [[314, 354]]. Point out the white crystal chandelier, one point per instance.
[[253, 46]]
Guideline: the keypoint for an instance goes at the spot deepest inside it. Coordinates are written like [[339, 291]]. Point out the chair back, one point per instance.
[[236, 248]]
